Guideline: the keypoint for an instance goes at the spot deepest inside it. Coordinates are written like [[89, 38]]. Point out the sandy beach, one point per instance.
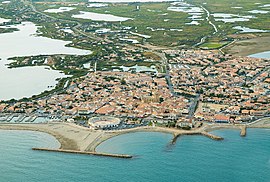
[[77, 138], [74, 137], [71, 137]]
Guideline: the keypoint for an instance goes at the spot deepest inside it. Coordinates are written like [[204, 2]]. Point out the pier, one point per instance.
[[124, 156], [174, 139]]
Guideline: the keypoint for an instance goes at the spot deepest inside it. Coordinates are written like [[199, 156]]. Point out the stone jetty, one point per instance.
[[243, 131], [209, 135], [214, 137], [124, 156]]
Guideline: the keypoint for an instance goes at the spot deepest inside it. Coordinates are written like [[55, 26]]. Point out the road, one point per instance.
[[193, 106], [91, 36], [75, 28], [226, 46], [167, 71], [258, 74], [211, 23]]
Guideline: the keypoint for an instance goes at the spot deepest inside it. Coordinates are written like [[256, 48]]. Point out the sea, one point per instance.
[[191, 158]]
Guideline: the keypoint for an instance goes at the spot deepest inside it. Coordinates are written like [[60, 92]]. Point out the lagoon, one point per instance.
[[99, 17], [96, 5], [25, 82], [259, 12], [194, 12], [231, 18], [59, 10], [264, 6], [249, 30], [264, 55]]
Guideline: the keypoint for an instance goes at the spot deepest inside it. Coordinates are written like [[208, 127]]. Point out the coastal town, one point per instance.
[[135, 90], [206, 87], [129, 79]]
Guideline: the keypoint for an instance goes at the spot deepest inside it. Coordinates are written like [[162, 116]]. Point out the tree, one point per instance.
[[123, 81], [161, 99]]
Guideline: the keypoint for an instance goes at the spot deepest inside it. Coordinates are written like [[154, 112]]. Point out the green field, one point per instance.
[[262, 21], [150, 15], [213, 45]]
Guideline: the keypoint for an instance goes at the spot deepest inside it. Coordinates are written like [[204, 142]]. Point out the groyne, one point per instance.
[[209, 135], [243, 131], [81, 140], [124, 156]]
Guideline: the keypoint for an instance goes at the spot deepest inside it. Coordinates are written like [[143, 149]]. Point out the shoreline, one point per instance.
[[64, 142], [84, 140]]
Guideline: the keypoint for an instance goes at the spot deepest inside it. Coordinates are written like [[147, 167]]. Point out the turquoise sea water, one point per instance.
[[192, 158]]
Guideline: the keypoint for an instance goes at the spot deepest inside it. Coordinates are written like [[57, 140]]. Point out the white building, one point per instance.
[[104, 122]]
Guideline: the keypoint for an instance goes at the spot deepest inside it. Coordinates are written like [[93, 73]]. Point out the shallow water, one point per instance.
[[259, 12], [25, 82], [59, 10], [231, 18], [249, 30], [99, 17], [192, 158]]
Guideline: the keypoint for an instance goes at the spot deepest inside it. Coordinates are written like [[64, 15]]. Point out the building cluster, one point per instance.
[[120, 94], [193, 57], [239, 83], [226, 89]]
